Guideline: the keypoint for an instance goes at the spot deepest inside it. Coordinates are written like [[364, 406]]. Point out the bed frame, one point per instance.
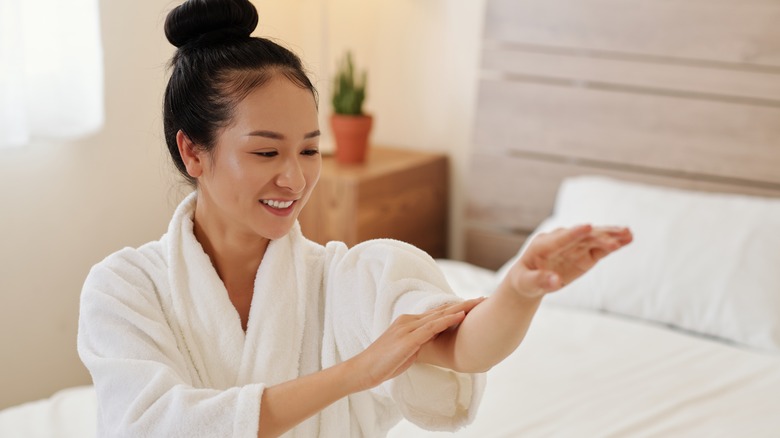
[[683, 94]]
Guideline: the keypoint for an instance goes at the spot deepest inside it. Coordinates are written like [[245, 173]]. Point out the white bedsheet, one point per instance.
[[585, 374], [577, 374], [69, 413]]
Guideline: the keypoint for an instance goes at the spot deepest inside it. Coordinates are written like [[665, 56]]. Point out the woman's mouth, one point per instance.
[[277, 204], [278, 208]]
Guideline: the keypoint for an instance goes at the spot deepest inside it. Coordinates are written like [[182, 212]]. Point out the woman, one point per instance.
[[233, 324]]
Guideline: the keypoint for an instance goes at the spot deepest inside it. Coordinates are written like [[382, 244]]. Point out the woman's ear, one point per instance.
[[190, 154]]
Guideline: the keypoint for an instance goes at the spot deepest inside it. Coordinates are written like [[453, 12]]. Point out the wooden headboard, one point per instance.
[[683, 93]]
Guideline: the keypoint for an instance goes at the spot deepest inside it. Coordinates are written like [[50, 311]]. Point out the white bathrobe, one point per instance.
[[169, 358]]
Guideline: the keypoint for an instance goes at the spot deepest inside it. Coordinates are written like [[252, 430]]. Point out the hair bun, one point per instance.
[[219, 19]]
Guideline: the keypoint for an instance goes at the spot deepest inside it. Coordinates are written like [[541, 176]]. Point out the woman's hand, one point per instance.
[[557, 258], [397, 348], [494, 329]]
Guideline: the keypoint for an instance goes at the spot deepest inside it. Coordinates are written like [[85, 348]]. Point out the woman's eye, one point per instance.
[[267, 154], [310, 152]]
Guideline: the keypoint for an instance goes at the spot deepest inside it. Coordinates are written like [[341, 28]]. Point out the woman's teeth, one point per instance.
[[277, 204]]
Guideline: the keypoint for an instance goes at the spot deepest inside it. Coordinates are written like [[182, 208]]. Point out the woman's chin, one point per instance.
[[276, 232]]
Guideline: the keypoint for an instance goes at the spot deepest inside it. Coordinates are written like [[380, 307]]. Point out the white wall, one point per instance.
[[66, 206]]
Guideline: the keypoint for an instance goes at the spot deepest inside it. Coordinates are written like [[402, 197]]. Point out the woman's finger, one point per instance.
[[578, 259], [430, 328], [467, 305], [603, 241], [622, 234], [566, 239], [447, 309], [548, 245], [612, 229]]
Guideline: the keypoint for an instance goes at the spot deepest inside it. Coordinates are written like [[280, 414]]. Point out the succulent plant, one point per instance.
[[349, 89]]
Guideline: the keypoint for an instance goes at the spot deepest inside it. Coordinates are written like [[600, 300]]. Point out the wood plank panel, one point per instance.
[[663, 132], [515, 193], [740, 32], [705, 81]]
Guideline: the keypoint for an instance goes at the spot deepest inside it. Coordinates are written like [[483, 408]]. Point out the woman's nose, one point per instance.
[[291, 176]]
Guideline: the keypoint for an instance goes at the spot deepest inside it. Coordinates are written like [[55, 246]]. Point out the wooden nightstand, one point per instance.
[[397, 193]]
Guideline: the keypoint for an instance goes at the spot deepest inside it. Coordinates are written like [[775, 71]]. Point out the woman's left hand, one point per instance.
[[555, 259]]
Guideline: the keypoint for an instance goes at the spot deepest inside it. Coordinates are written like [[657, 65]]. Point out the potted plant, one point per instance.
[[349, 124]]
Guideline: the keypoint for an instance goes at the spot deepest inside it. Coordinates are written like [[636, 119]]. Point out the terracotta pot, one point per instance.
[[351, 136]]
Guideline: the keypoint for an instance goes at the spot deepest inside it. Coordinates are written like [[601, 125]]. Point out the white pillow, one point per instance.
[[704, 262]]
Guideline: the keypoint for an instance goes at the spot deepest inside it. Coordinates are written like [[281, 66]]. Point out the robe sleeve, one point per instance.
[[372, 284], [141, 377]]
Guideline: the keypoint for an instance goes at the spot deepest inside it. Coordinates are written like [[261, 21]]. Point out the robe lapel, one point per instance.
[[209, 323], [274, 335]]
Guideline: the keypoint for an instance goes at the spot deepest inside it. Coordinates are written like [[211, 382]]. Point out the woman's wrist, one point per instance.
[[352, 377], [525, 292]]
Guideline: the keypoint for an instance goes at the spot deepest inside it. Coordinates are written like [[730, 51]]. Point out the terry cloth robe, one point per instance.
[[169, 358]]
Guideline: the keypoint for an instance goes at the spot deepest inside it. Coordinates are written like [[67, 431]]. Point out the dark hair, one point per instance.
[[216, 65]]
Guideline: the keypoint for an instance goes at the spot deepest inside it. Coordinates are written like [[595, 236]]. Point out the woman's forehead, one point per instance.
[[278, 104]]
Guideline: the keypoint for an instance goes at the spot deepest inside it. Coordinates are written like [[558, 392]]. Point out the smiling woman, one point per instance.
[[233, 309], [254, 182], [270, 167], [235, 324]]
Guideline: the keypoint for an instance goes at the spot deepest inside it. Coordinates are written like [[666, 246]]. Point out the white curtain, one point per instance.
[[51, 70]]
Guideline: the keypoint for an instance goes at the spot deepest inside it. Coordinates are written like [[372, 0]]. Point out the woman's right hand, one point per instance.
[[397, 348]]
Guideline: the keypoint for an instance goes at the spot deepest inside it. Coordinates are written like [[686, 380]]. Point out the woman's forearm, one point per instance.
[[288, 404], [285, 405], [494, 328], [490, 332]]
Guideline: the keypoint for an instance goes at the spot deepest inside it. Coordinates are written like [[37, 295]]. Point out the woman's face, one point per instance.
[[265, 163]]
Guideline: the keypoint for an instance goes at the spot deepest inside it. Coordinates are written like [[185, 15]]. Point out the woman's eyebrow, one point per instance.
[[267, 134], [279, 136]]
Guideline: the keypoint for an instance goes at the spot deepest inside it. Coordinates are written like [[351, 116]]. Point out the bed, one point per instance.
[[578, 373], [663, 116]]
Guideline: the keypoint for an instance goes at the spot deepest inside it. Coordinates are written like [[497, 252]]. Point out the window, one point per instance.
[[51, 70]]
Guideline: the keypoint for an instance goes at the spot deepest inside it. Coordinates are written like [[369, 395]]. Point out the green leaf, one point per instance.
[[349, 89]]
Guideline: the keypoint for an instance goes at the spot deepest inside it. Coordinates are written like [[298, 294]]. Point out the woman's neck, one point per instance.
[[236, 255]]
